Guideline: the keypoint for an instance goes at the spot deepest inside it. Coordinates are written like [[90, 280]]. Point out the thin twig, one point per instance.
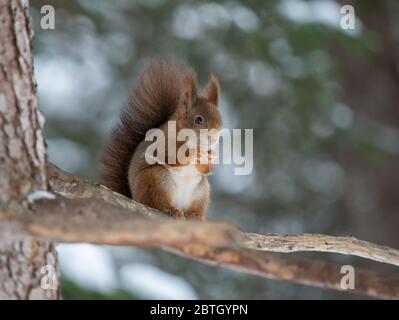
[[321, 243]]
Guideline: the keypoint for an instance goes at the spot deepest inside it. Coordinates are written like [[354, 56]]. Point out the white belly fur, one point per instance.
[[186, 181]]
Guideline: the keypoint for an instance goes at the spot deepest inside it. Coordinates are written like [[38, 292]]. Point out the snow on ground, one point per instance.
[[154, 283], [89, 266], [93, 267]]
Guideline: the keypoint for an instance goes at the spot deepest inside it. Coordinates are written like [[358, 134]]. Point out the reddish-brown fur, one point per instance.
[[152, 103], [164, 92]]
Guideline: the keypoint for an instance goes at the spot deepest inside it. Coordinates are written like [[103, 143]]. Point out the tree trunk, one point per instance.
[[23, 157]]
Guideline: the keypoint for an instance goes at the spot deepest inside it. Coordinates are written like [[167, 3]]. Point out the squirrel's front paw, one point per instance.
[[206, 156], [176, 213]]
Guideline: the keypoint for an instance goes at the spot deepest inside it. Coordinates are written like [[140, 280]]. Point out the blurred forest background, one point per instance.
[[323, 103]]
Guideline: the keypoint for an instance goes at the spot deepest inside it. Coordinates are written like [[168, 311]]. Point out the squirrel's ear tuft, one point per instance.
[[189, 90], [211, 90]]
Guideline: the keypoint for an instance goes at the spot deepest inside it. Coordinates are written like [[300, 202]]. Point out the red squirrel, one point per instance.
[[164, 92]]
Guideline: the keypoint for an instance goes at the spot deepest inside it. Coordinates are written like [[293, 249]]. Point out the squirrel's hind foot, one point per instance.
[[176, 213], [180, 214]]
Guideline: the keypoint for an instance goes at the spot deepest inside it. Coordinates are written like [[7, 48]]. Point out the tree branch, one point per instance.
[[73, 187], [215, 243], [95, 214], [321, 243]]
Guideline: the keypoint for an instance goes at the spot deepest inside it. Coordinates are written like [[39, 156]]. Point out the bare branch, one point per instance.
[[321, 243], [74, 188], [95, 221], [300, 270]]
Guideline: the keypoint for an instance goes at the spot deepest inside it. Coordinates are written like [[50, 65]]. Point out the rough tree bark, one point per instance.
[[23, 156]]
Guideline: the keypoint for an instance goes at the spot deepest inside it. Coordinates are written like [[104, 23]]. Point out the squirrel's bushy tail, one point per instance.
[[152, 103]]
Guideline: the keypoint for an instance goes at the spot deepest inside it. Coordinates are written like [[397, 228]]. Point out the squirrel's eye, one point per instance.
[[199, 120]]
